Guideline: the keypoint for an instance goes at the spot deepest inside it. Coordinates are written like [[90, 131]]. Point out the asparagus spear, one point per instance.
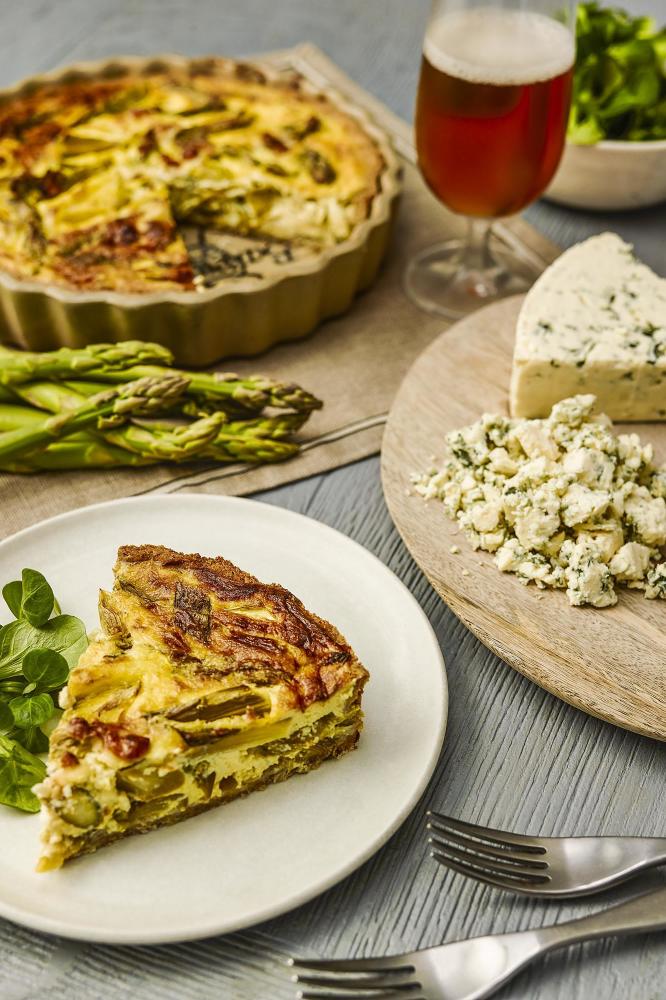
[[276, 427], [100, 397], [206, 393], [127, 445], [87, 450], [220, 448], [56, 397], [259, 440], [224, 390], [80, 451], [13, 417], [180, 442], [132, 360], [249, 450], [23, 366], [285, 395], [103, 411]]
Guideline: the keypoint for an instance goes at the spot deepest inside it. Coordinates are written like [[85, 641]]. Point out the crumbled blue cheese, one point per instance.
[[655, 581], [561, 502], [594, 322]]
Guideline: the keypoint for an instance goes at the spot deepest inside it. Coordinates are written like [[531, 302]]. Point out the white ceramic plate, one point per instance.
[[257, 857]]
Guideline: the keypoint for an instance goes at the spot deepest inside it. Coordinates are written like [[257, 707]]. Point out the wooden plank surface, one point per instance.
[[515, 755], [609, 662]]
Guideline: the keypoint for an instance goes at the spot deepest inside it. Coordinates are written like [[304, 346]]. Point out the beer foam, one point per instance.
[[502, 47]]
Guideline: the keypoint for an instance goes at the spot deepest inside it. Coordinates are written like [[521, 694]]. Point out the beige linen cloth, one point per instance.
[[354, 364]]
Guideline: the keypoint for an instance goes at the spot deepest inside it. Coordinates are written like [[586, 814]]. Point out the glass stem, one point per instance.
[[479, 268], [477, 253]]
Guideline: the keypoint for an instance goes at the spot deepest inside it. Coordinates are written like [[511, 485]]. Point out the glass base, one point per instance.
[[454, 278]]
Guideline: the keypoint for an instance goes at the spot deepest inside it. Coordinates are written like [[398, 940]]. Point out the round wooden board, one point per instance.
[[610, 663]]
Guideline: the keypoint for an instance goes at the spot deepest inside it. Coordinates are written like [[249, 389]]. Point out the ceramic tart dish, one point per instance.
[[210, 205]]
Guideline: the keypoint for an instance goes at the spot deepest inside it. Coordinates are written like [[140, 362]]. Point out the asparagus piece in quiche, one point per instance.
[[203, 685]]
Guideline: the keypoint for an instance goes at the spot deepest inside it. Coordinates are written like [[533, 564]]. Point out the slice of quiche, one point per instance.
[[203, 685]]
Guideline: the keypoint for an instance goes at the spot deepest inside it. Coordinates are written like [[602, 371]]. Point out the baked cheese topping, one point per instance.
[[561, 502], [594, 322], [98, 176]]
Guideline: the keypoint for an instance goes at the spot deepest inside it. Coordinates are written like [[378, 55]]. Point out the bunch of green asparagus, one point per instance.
[[110, 405]]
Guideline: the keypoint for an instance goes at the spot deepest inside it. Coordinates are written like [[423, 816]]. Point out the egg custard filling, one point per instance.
[[98, 176], [203, 685]]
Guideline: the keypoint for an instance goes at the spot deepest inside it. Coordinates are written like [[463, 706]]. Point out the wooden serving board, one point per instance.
[[610, 663]]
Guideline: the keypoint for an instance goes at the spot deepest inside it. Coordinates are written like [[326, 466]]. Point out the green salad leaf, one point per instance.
[[6, 718], [619, 85], [30, 710], [36, 654], [30, 597], [13, 594], [35, 740], [45, 669], [37, 598], [19, 771], [63, 634]]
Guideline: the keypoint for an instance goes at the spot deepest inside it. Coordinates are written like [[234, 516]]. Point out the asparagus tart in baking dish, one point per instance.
[[98, 175], [212, 206], [203, 684]]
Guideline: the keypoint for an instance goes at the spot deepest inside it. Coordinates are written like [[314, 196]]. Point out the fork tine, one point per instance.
[[491, 862], [497, 838], [371, 995], [372, 982], [367, 990], [509, 854], [391, 965], [478, 871], [521, 885]]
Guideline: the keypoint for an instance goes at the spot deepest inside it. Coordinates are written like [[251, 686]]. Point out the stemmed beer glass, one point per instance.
[[491, 118]]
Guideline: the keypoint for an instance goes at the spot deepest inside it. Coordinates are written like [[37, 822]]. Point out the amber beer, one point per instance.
[[492, 108]]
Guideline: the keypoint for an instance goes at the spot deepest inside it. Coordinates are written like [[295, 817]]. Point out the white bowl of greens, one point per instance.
[[611, 176], [615, 156]]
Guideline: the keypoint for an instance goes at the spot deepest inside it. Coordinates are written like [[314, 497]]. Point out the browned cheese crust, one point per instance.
[[205, 621]]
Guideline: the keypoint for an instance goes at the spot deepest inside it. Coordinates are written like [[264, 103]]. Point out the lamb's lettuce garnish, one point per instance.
[[30, 597], [19, 771], [619, 87], [36, 654]]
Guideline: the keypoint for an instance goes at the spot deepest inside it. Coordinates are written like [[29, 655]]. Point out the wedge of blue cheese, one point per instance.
[[561, 502], [594, 322]]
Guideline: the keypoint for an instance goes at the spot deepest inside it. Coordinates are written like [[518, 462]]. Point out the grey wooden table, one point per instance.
[[514, 756]]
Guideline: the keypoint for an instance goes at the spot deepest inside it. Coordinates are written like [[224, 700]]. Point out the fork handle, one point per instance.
[[646, 912]]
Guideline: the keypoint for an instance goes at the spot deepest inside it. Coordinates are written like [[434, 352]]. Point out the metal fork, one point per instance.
[[468, 970], [540, 866]]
